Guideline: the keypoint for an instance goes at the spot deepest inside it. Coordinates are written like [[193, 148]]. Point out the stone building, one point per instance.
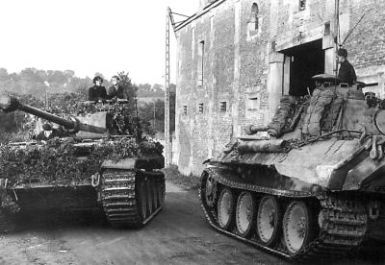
[[237, 57]]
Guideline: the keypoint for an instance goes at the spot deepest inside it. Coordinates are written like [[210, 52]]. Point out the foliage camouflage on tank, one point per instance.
[[105, 163], [55, 162]]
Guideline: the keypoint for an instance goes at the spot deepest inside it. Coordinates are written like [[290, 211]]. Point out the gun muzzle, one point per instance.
[[253, 129], [8, 104]]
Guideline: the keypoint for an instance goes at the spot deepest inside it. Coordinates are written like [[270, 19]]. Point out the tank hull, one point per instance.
[[47, 198], [339, 220], [338, 185], [332, 164], [128, 197]]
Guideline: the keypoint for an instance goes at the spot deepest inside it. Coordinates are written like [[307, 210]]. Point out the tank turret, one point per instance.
[[73, 125]]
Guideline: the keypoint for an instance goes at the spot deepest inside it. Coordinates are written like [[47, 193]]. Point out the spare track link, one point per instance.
[[342, 223], [121, 198]]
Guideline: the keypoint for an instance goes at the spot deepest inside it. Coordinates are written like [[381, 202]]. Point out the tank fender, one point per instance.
[[367, 175], [206, 161], [357, 171], [147, 162], [338, 174], [127, 163]]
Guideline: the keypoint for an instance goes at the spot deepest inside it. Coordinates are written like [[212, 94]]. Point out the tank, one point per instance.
[[98, 161], [311, 183]]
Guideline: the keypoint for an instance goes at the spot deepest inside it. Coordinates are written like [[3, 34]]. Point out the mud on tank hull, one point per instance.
[[300, 210], [130, 193]]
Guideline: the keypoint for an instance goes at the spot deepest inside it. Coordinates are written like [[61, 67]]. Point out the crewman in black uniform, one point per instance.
[[97, 92], [116, 90], [48, 133], [346, 72]]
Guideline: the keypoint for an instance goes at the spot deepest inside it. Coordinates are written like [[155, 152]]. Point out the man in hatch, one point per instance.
[[48, 133], [97, 92], [116, 90], [346, 72]]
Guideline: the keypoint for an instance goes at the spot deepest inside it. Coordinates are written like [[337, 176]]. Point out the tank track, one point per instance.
[[342, 222], [131, 198]]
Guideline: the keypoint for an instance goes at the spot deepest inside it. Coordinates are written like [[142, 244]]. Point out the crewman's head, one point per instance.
[[47, 130], [342, 55], [115, 80], [98, 80], [47, 127]]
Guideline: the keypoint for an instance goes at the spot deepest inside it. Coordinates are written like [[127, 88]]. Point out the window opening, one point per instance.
[[327, 29], [254, 16], [200, 108], [201, 62], [223, 106], [302, 5]]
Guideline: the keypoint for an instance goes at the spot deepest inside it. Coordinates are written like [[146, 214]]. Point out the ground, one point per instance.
[[178, 235]]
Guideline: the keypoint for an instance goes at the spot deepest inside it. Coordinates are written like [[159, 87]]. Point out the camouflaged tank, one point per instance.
[[310, 184], [102, 163]]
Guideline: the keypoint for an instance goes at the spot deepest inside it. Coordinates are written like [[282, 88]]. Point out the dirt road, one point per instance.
[[178, 235]]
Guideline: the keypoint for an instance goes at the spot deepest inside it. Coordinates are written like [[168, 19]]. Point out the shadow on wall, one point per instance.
[[186, 182], [185, 149]]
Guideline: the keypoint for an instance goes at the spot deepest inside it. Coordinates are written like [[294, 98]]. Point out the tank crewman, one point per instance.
[[346, 72], [116, 90], [48, 133], [97, 92]]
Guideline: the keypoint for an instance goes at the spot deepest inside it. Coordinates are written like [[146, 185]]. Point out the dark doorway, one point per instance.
[[306, 60]]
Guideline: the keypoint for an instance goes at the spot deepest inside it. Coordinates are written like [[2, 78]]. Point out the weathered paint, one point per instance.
[[312, 164]]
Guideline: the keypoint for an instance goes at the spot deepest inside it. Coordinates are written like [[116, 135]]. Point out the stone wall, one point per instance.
[[243, 67]]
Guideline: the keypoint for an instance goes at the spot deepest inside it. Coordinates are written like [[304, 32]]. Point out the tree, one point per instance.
[[156, 108], [152, 117], [129, 88], [3, 75]]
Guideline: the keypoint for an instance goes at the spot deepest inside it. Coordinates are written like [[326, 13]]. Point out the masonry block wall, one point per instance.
[[231, 71], [367, 43]]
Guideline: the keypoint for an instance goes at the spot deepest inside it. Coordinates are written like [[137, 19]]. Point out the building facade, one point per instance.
[[236, 58]]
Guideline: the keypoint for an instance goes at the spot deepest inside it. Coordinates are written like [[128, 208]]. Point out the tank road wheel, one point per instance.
[[245, 213], [225, 208], [210, 191], [268, 220], [296, 227]]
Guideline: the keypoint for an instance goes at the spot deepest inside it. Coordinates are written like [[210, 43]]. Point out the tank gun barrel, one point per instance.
[[9, 104]]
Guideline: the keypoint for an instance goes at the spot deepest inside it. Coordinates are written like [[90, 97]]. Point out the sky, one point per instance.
[[89, 36]]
